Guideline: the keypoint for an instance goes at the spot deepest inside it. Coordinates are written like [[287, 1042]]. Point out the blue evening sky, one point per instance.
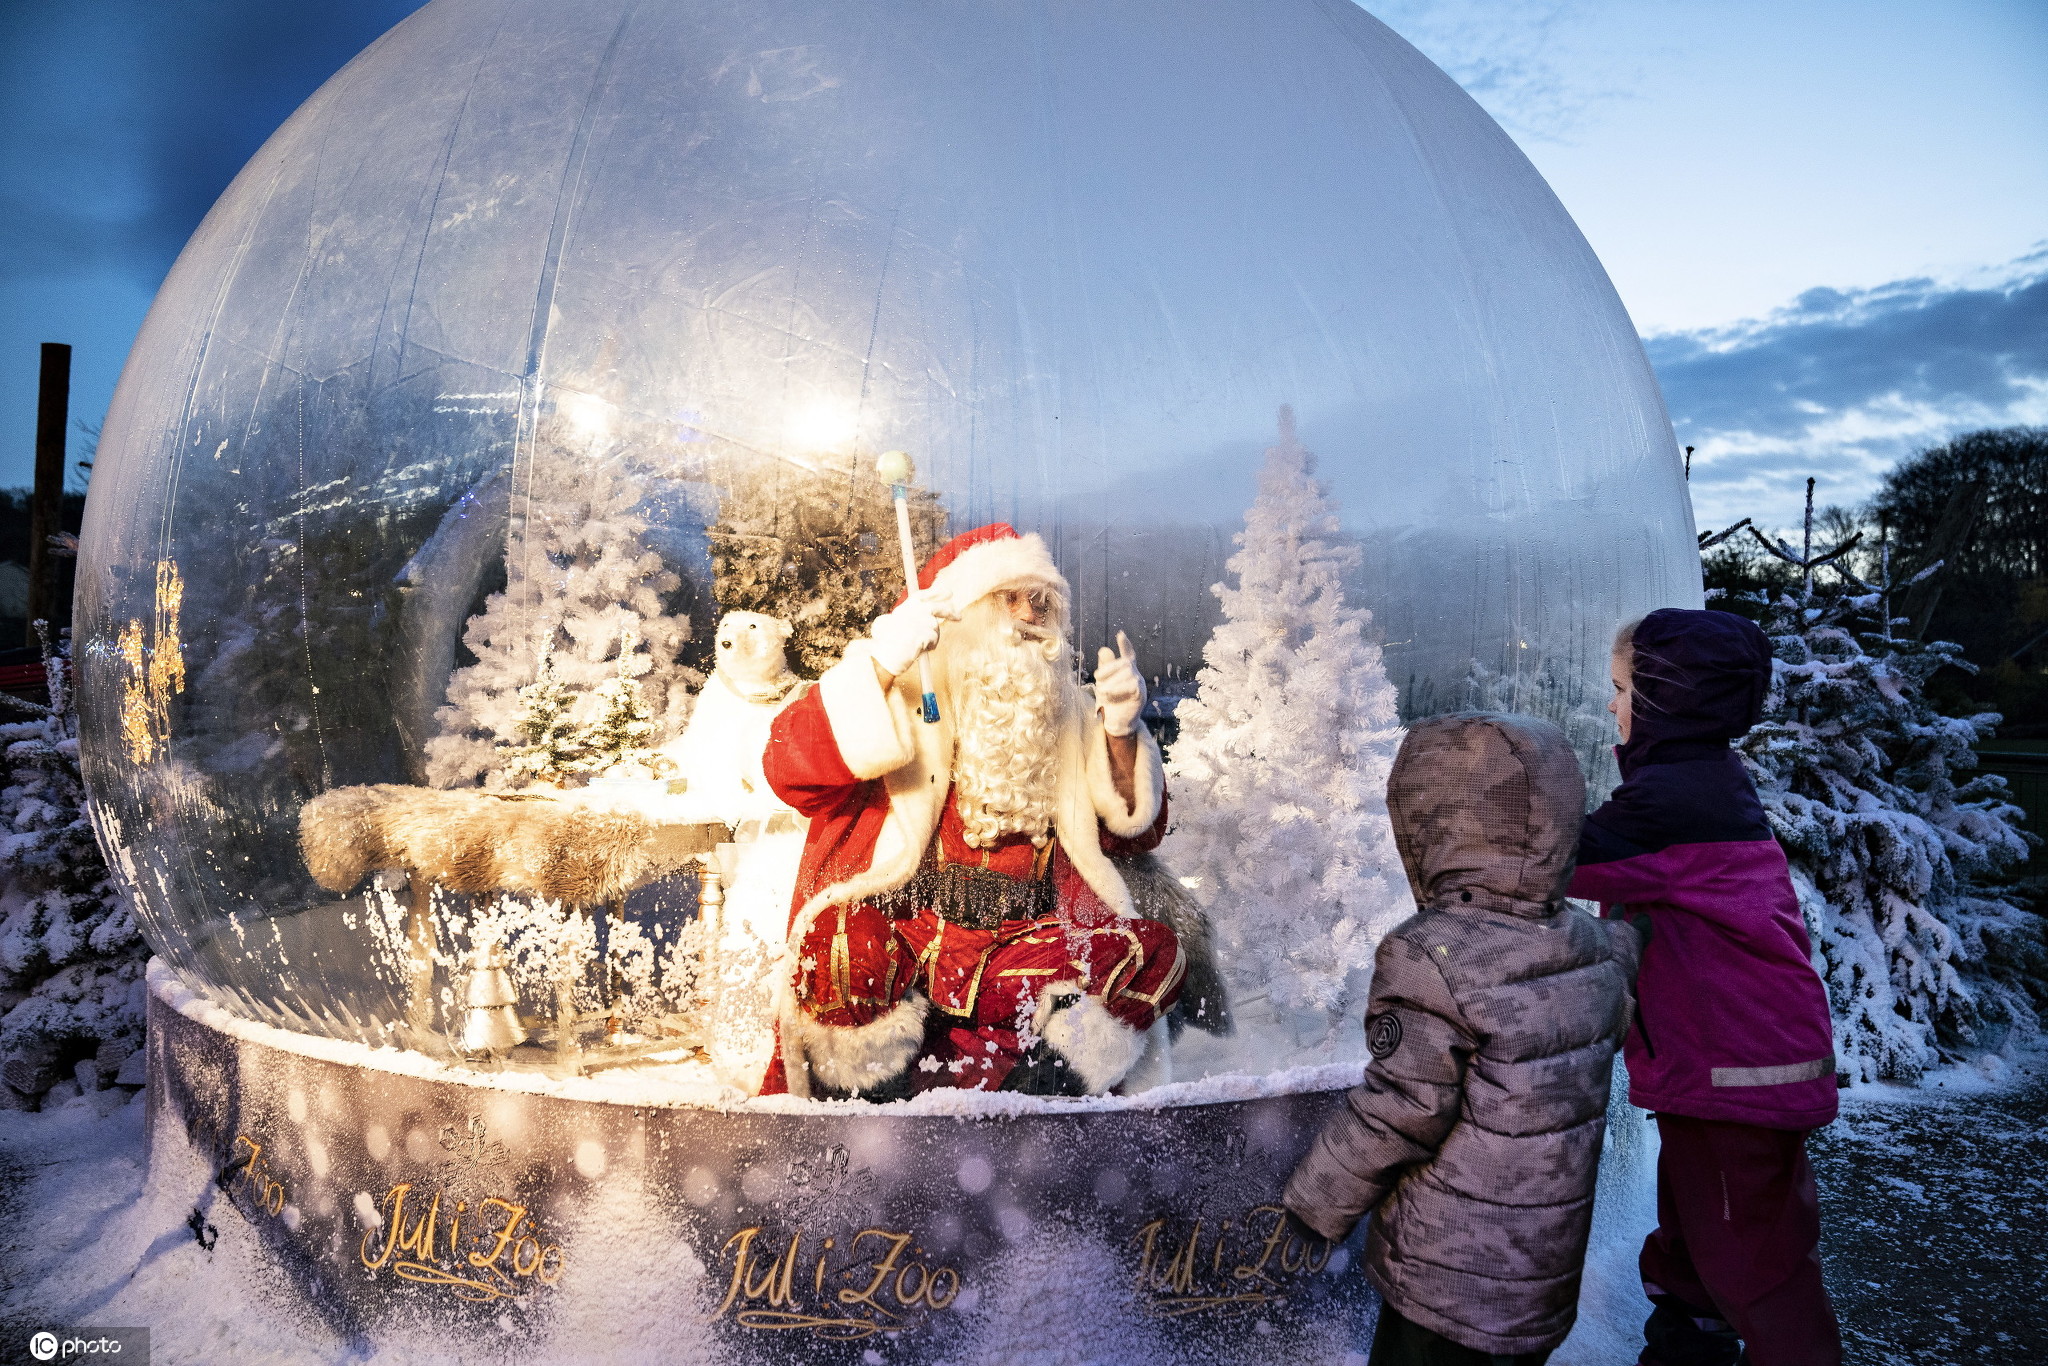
[[1828, 219]]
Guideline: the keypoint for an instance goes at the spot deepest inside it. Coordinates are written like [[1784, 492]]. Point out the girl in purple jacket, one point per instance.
[[1733, 1046]]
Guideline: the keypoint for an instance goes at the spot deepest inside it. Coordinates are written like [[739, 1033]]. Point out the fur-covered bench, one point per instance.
[[579, 853], [480, 842]]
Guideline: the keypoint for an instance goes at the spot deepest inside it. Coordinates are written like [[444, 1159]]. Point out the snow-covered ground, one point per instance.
[[87, 1243], [1936, 1207], [1933, 1197]]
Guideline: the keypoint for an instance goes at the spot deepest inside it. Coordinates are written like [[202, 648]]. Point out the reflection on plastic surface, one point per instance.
[[592, 319]]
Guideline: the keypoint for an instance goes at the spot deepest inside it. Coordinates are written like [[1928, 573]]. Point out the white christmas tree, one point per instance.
[[578, 558], [1279, 776]]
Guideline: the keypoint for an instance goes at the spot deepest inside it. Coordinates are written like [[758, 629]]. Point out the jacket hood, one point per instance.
[[1699, 679], [1486, 808]]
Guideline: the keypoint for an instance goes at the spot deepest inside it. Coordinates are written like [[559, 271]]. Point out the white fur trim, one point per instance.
[[1081, 749], [874, 730], [1154, 1066], [1148, 782], [918, 788], [1099, 1047], [1009, 563], [852, 1058]]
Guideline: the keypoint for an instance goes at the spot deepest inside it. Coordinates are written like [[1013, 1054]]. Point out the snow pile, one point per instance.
[[1891, 851], [125, 1251], [169, 1252], [1279, 782], [70, 957]]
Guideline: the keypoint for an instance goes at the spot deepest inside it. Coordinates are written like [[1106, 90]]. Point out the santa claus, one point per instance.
[[959, 919]]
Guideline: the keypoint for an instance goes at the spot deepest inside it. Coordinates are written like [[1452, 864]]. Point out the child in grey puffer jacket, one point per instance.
[[1493, 1022]]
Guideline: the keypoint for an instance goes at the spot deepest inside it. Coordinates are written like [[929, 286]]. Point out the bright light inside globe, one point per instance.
[[588, 417], [823, 424]]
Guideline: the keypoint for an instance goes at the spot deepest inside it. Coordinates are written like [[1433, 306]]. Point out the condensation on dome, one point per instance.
[[670, 267]]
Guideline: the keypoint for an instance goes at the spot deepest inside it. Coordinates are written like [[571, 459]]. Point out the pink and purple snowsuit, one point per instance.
[[1733, 1044]]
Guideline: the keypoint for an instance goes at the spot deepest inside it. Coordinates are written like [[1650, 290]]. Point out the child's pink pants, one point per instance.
[[1738, 1232]]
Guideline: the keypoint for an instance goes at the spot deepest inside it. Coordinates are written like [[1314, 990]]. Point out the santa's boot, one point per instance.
[[870, 1061], [1081, 1049], [1680, 1334]]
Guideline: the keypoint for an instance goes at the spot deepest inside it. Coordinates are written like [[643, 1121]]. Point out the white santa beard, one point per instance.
[[1008, 699]]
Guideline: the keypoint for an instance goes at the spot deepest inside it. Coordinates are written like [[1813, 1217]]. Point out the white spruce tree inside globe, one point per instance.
[[1280, 773]]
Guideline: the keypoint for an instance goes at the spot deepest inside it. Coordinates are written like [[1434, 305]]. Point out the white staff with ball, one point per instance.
[[895, 467]]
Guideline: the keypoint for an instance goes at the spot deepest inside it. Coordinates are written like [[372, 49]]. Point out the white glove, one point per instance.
[[1119, 687], [904, 634]]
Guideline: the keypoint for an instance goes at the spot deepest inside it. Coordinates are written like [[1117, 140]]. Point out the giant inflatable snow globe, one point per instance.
[[508, 464]]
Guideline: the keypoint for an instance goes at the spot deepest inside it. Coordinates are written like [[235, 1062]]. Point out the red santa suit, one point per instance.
[[915, 960]]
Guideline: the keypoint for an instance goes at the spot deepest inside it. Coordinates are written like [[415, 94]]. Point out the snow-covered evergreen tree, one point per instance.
[[816, 548], [1891, 850], [549, 747], [623, 733], [1280, 770], [577, 557], [71, 959]]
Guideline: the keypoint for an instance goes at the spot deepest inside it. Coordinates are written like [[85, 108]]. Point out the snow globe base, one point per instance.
[[397, 1202]]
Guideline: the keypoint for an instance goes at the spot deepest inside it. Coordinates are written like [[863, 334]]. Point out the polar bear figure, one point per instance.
[[719, 752], [718, 756]]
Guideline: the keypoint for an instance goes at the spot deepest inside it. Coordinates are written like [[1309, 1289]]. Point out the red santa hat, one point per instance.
[[978, 562]]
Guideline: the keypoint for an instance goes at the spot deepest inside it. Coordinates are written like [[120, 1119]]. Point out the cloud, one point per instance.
[[1842, 384], [1530, 65]]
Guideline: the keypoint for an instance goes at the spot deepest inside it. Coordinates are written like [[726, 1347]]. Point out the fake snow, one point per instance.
[[110, 1248], [668, 1084], [1279, 786]]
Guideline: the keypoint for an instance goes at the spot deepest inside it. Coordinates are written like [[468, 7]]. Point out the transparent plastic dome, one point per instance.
[[669, 274]]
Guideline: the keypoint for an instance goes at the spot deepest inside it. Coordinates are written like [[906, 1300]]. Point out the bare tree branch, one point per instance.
[[1710, 539]]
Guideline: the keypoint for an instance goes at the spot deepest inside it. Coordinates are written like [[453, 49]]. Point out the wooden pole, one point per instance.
[[710, 915], [419, 945], [568, 968], [53, 413]]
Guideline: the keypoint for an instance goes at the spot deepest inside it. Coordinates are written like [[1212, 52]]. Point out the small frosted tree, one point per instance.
[[548, 745], [623, 730], [1892, 852], [1280, 771], [578, 558]]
